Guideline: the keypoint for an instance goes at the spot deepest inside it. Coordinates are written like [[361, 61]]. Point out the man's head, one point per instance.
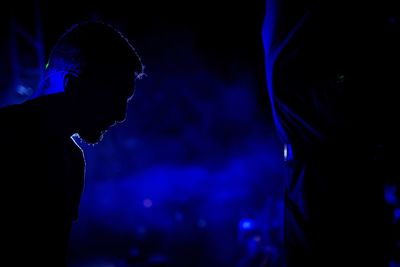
[[98, 68]]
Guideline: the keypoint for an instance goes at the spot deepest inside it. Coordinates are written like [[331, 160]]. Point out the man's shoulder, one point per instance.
[[20, 112], [13, 122], [9, 111]]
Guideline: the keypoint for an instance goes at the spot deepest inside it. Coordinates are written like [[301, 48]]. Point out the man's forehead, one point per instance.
[[112, 75], [114, 68]]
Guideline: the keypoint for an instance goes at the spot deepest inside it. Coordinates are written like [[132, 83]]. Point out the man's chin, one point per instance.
[[91, 138]]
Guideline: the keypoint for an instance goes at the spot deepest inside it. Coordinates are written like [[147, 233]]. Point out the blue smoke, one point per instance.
[[192, 178]]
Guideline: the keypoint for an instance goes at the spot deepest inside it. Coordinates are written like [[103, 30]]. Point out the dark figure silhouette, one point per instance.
[[332, 70], [88, 81]]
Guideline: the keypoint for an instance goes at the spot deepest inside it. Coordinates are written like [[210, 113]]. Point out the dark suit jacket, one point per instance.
[[42, 177]]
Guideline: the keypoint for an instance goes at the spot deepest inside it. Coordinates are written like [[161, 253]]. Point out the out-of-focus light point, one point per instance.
[[257, 238], [147, 203], [24, 90], [396, 215], [201, 223], [246, 224], [178, 216]]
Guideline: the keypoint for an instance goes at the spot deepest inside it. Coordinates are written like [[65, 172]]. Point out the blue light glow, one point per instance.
[[246, 224], [202, 223], [397, 215], [147, 203], [390, 194]]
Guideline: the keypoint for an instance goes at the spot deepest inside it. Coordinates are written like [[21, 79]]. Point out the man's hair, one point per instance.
[[93, 44]]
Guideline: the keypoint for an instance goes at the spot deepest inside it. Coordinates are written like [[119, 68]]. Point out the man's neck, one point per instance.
[[56, 112]]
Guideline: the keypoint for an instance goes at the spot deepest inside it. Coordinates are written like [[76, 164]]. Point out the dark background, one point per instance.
[[194, 175]]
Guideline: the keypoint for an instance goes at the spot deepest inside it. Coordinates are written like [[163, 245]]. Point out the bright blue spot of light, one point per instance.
[[246, 224], [390, 194], [396, 215]]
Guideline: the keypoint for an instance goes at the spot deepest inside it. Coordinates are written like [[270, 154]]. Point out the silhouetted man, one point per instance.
[[333, 71], [89, 78]]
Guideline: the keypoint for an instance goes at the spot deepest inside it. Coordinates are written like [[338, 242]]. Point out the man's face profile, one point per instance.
[[103, 98]]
